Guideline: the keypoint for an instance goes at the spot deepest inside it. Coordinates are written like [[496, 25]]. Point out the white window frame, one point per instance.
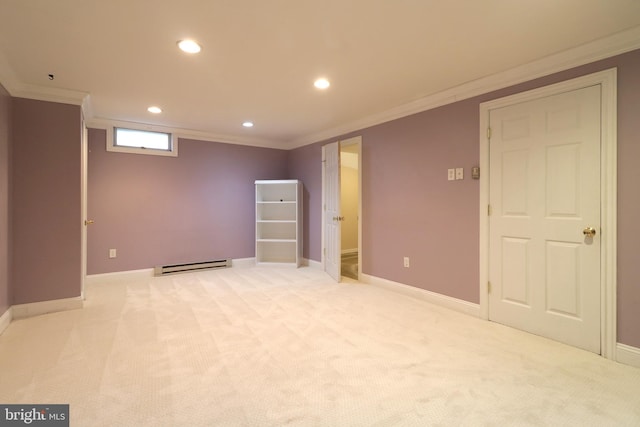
[[111, 141]]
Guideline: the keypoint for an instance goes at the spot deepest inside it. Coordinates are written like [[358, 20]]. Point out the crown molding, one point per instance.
[[607, 47], [87, 108], [42, 93], [104, 123], [16, 89], [8, 77]]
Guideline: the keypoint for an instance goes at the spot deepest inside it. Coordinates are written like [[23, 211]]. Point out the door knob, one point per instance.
[[589, 231], [88, 221]]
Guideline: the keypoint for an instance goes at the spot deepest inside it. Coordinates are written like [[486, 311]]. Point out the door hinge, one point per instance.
[[488, 133], [488, 287], [489, 210]]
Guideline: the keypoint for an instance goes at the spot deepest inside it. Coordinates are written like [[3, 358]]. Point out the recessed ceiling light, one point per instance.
[[154, 110], [247, 124], [189, 46], [322, 83]]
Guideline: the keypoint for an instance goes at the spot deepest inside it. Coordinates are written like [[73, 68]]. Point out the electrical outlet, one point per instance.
[[451, 174], [112, 253], [459, 173], [406, 262]]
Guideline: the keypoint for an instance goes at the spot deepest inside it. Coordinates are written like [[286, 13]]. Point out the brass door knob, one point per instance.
[[88, 221], [589, 231]]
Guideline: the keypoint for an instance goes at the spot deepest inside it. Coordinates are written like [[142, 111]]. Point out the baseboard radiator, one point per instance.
[[163, 270]]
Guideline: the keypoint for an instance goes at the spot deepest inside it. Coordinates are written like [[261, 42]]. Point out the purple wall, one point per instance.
[[158, 210], [628, 199], [305, 164], [46, 201], [405, 187], [5, 136], [410, 209]]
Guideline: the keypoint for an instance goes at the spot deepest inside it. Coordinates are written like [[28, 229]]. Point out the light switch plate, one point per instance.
[[459, 173]]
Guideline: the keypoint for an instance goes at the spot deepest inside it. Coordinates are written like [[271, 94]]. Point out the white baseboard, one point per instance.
[[243, 262], [147, 273], [628, 355], [349, 251], [20, 311], [93, 279], [311, 263], [422, 294], [5, 319]]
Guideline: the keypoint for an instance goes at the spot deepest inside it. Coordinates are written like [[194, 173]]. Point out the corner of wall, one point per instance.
[[5, 320], [6, 140], [22, 311], [306, 262]]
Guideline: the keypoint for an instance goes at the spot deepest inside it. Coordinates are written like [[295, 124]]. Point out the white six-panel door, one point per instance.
[[331, 200], [544, 192]]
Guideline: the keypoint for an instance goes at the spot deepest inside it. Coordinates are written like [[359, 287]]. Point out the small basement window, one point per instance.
[[140, 141]]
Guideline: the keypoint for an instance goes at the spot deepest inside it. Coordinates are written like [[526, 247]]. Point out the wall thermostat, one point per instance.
[[475, 172]]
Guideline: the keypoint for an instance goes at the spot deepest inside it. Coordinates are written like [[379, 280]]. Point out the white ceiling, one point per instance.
[[260, 57]]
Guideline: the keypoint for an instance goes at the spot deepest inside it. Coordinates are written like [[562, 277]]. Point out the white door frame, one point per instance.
[[608, 195], [84, 153]]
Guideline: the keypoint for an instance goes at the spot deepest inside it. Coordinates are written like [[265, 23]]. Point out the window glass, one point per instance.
[[142, 139]]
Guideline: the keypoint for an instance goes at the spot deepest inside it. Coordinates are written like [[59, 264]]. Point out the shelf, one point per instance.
[[277, 191], [278, 222], [277, 251], [276, 211]]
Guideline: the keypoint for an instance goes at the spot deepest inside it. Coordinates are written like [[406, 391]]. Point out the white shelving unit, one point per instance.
[[279, 222]]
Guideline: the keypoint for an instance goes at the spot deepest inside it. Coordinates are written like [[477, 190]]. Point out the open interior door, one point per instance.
[[331, 209]]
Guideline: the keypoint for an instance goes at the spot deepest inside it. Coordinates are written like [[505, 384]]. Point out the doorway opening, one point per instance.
[[350, 206]]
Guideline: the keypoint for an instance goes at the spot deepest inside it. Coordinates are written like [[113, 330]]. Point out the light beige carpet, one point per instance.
[[276, 347]]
